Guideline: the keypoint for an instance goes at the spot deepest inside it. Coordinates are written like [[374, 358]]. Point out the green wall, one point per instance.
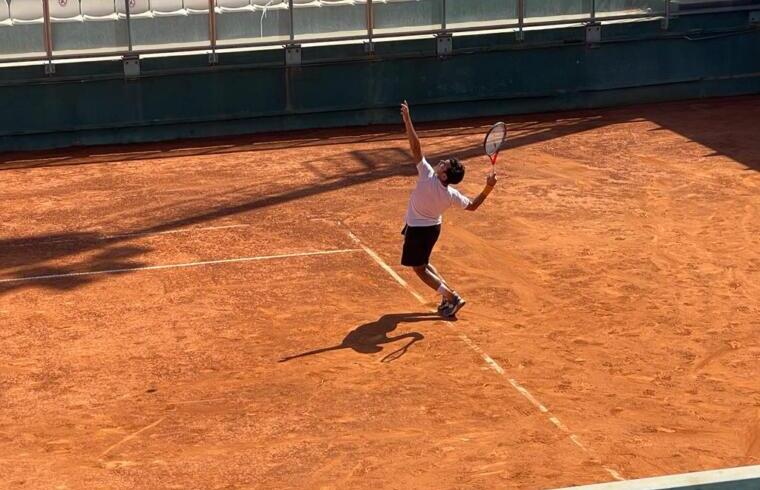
[[92, 103]]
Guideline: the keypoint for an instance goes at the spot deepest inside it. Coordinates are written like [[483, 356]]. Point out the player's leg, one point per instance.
[[433, 282], [437, 274], [418, 245], [451, 302], [444, 301]]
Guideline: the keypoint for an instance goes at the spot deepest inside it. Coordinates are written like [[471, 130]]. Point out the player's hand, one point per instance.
[[405, 112], [491, 179]]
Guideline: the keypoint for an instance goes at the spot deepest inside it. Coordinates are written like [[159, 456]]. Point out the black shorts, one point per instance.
[[418, 244]]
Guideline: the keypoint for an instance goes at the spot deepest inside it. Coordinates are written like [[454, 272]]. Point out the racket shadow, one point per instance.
[[369, 338]]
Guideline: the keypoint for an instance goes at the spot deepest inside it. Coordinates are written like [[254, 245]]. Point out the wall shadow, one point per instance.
[[729, 127], [718, 123], [284, 140]]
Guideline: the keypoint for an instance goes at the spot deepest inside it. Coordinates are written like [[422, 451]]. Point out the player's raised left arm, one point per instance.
[[414, 141], [491, 180]]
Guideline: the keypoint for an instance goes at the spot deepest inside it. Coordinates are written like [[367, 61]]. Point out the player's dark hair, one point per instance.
[[455, 173]]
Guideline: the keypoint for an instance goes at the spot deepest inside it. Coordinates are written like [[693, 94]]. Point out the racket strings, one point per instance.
[[495, 138]]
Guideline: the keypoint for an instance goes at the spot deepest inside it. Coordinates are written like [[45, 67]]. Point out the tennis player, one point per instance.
[[433, 194]]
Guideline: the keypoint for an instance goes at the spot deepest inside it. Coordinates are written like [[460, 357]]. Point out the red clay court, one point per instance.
[[232, 313]]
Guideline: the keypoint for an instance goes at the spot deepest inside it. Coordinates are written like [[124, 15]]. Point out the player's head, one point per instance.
[[450, 171]]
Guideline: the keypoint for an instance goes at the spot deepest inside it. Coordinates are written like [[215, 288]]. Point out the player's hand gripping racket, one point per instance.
[[495, 139]]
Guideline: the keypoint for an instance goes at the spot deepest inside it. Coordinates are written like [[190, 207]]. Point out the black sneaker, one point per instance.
[[444, 304], [452, 308]]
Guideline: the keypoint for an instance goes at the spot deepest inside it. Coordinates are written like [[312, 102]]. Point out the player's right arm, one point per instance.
[[414, 141], [490, 184]]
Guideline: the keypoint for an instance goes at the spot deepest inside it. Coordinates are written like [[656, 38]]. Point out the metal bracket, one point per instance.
[[49, 69], [593, 32], [754, 17], [444, 43], [369, 47], [520, 35], [665, 23], [131, 66], [213, 58], [292, 54]]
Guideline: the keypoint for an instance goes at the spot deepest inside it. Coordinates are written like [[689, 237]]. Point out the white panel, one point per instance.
[[137, 8], [196, 6], [338, 2], [165, 8], [98, 10], [305, 3], [745, 477], [64, 10], [234, 5], [26, 11], [264, 5], [5, 13]]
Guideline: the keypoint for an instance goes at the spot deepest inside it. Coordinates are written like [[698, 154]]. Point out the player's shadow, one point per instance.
[[369, 338]]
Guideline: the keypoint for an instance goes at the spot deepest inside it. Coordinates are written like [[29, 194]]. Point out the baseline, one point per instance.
[[176, 266]]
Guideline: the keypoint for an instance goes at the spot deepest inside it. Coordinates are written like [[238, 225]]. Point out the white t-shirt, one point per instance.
[[430, 198]]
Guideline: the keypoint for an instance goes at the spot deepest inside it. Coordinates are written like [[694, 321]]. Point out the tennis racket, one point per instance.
[[495, 139]]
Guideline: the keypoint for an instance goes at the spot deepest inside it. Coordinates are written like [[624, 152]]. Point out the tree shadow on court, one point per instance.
[[381, 164], [369, 338], [349, 179], [23, 260], [732, 136], [28, 256]]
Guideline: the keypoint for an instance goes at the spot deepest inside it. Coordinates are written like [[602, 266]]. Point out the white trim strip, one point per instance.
[[175, 266], [742, 478], [488, 359]]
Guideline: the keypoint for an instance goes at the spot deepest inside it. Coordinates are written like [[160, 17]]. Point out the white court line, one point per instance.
[[132, 436], [127, 235], [488, 359], [177, 266]]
